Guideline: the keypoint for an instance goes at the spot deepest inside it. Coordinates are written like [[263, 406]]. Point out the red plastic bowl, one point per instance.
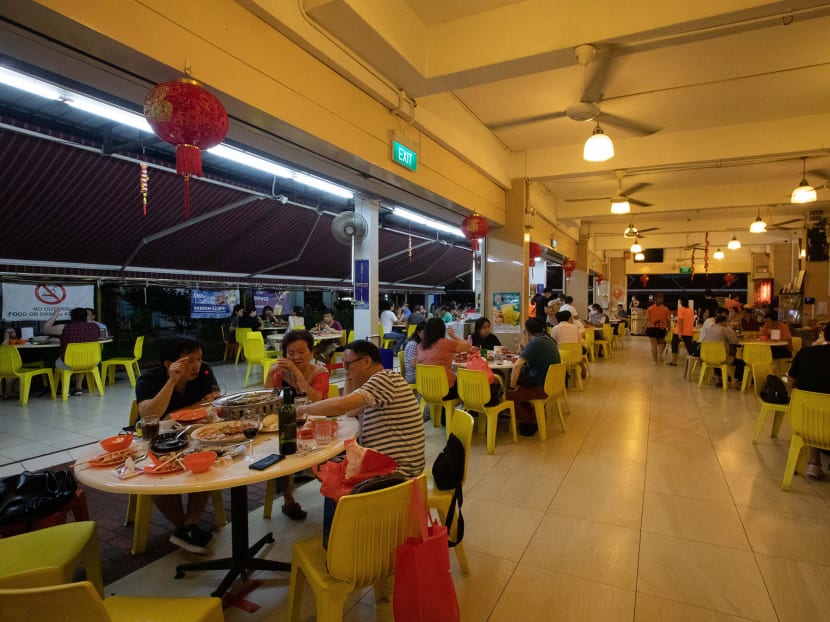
[[199, 462], [114, 443]]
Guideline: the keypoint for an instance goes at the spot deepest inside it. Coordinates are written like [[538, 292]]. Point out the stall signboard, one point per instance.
[[507, 308], [361, 284], [212, 304], [280, 302], [37, 302]]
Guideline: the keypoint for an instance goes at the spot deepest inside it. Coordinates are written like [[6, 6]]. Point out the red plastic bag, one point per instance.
[[338, 478], [424, 591], [474, 361]]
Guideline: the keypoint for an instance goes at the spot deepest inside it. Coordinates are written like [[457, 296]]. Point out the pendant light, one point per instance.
[[734, 244], [758, 225], [619, 202], [805, 193], [718, 254], [639, 257], [636, 248], [598, 148]]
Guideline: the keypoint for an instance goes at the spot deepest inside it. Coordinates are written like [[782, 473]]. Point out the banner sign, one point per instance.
[[507, 308], [280, 302], [361, 284], [37, 302], [212, 304]]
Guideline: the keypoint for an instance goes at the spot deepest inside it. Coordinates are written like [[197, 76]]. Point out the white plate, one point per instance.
[[224, 432]]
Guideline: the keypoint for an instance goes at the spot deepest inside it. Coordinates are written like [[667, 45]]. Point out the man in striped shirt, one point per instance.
[[390, 421]]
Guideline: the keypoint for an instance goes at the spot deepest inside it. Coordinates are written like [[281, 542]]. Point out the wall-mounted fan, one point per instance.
[[349, 227]]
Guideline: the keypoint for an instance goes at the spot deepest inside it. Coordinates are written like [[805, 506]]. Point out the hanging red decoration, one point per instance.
[[599, 278], [475, 228], [617, 293], [693, 264], [144, 185], [569, 265], [410, 249], [644, 279], [706, 255], [729, 279], [534, 251], [184, 114]]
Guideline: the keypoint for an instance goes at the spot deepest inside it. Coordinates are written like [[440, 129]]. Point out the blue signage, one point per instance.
[[361, 284]]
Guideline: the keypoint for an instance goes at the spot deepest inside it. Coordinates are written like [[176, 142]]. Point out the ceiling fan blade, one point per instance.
[[780, 225], [636, 188], [539, 118], [821, 174], [639, 203], [605, 198], [638, 128], [649, 229]]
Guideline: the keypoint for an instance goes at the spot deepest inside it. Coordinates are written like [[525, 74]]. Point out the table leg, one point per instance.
[[242, 557]]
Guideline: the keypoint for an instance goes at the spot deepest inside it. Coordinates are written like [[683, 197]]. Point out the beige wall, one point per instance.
[[506, 245]]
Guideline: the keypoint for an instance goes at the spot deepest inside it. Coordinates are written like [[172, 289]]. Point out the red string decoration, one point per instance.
[[706, 254], [644, 279], [144, 181], [410, 249], [693, 263]]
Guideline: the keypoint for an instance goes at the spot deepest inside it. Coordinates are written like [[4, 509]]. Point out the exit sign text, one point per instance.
[[404, 156]]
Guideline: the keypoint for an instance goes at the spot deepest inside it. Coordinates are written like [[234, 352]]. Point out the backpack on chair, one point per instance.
[[448, 473], [774, 391]]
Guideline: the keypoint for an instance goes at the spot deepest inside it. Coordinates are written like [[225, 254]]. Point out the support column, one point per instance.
[[366, 315]]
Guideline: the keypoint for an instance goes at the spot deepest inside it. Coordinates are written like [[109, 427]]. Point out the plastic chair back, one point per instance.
[[555, 380], [71, 602], [401, 369], [334, 390], [797, 343], [365, 532], [10, 361], [242, 336], [760, 371], [713, 352], [607, 332], [757, 353], [138, 348], [410, 329], [810, 417], [473, 389], [462, 426], [431, 382], [82, 357], [254, 346]]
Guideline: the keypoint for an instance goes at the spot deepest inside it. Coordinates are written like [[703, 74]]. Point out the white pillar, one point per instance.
[[366, 319]]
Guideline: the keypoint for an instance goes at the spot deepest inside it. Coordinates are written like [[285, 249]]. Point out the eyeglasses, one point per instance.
[[347, 364]]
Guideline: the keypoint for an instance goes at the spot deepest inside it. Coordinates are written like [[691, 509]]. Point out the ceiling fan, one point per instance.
[[783, 225], [632, 232], [621, 196], [586, 107]]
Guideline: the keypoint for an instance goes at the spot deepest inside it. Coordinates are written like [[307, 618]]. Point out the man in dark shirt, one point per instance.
[[527, 380], [541, 301], [709, 307], [180, 381], [808, 371]]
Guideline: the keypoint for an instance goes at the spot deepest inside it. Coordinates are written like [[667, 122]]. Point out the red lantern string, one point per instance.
[[569, 265], [644, 279], [145, 179], [410, 249], [693, 263], [475, 228], [706, 255]]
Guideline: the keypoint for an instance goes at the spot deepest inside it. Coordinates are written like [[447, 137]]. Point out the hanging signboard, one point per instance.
[[212, 304], [280, 302], [38, 301]]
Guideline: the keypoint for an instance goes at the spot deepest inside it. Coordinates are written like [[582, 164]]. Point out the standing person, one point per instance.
[[410, 353], [250, 319], [684, 329], [708, 308], [568, 305], [527, 380], [659, 319], [387, 321], [481, 337], [809, 372], [76, 330], [181, 381], [324, 349], [541, 301], [436, 349]]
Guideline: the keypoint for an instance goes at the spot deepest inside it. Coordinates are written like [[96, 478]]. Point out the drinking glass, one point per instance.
[[323, 432], [253, 424]]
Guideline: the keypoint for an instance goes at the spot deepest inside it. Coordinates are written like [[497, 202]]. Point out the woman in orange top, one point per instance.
[[659, 318], [684, 328]]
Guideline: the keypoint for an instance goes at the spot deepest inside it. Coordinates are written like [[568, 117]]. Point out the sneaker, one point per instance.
[[294, 511], [191, 538], [814, 471], [77, 392]]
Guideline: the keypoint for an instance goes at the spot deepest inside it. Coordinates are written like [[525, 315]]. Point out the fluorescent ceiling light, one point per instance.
[[758, 226], [718, 254], [248, 159], [428, 222], [734, 244], [109, 112], [322, 184], [598, 147], [31, 85]]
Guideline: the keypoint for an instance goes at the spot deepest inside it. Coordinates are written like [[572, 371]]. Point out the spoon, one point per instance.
[[182, 431]]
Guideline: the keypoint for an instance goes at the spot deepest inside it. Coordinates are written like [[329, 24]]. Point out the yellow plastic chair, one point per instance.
[[798, 342], [572, 354], [754, 353], [365, 532], [410, 330], [230, 344], [555, 391], [50, 556], [82, 358], [617, 340], [474, 391], [78, 602], [384, 342], [337, 357], [334, 390], [130, 364], [606, 341], [401, 362], [590, 344], [11, 366], [760, 371], [256, 354], [241, 340], [432, 384], [713, 356], [810, 421], [462, 426]]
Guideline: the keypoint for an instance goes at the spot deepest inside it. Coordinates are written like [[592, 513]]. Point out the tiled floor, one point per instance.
[[653, 506]]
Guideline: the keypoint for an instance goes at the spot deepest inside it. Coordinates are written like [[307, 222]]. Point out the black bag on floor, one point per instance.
[[774, 391], [25, 497], [448, 473]]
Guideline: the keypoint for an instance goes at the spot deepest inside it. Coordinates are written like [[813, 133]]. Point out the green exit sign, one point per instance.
[[686, 270], [404, 156]]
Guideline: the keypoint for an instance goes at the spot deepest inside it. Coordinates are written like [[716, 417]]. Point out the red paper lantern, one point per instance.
[[729, 279], [534, 251], [184, 114], [617, 293], [644, 279], [475, 228], [569, 265]]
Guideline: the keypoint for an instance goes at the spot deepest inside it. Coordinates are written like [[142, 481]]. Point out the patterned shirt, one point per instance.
[[78, 332], [391, 422]]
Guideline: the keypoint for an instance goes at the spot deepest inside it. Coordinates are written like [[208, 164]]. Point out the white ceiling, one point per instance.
[[735, 98]]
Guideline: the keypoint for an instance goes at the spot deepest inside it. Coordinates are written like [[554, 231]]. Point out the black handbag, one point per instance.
[[26, 497]]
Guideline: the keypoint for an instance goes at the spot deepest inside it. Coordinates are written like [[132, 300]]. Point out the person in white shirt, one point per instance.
[[387, 319], [568, 306], [566, 331]]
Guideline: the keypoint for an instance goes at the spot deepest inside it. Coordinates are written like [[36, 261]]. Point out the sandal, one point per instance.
[[294, 511], [672, 364]]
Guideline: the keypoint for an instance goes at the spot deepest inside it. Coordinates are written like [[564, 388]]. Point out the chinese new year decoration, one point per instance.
[[644, 279], [706, 254], [729, 279], [569, 265], [599, 279], [617, 293], [534, 251], [144, 180], [693, 263], [475, 228], [184, 114]]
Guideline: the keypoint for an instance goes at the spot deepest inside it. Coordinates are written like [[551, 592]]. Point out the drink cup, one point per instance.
[[323, 432], [149, 427], [775, 334], [305, 439]]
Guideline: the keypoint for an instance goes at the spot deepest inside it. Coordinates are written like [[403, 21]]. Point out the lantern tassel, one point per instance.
[[188, 160], [187, 196]]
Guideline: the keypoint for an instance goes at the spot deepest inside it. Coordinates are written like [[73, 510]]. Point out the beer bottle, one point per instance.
[[288, 423]]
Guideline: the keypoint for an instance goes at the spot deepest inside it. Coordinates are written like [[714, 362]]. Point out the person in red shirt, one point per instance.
[[435, 349], [684, 329], [659, 319]]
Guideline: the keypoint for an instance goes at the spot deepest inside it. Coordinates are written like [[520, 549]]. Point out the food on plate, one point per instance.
[[271, 421], [114, 457], [227, 431]]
